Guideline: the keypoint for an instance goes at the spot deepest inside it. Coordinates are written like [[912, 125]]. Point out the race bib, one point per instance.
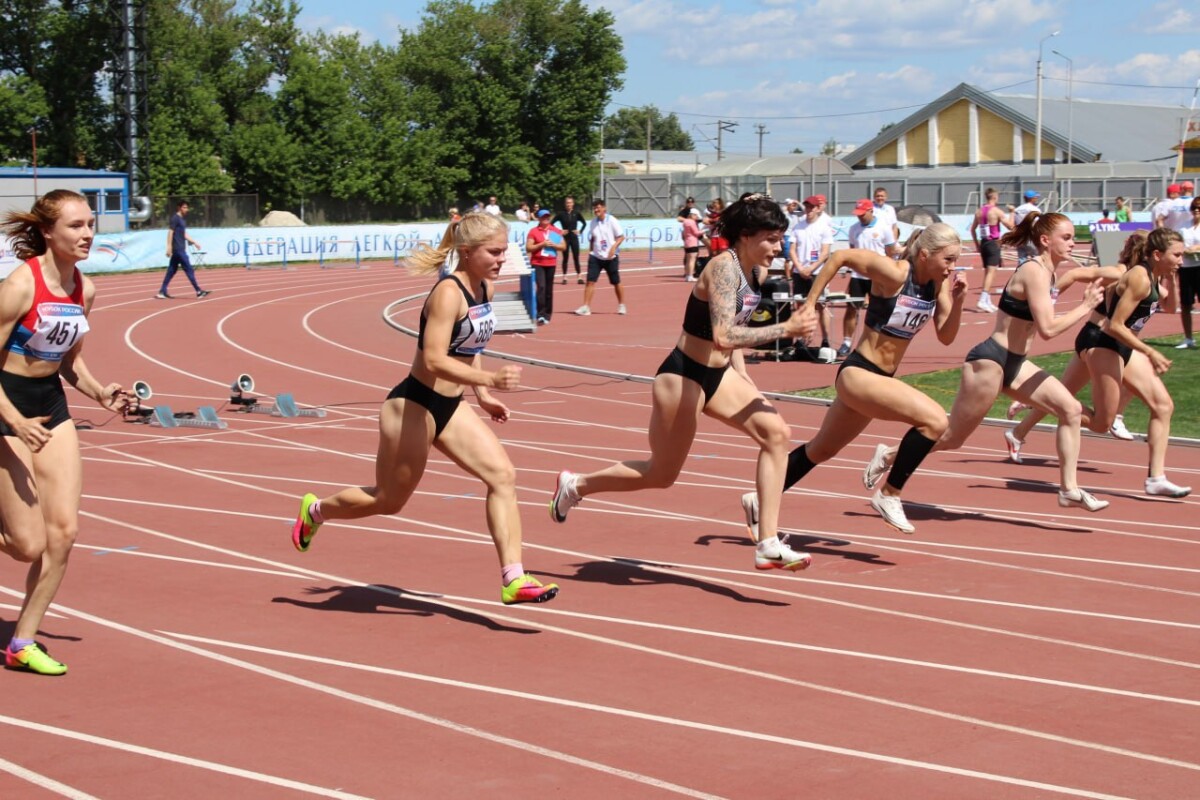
[[749, 301], [482, 320], [59, 327], [909, 316], [1139, 323]]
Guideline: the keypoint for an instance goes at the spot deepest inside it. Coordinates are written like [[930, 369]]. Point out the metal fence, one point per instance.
[[205, 210], [945, 196]]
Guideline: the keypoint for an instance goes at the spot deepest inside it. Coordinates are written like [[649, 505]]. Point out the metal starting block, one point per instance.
[[205, 417], [285, 406]]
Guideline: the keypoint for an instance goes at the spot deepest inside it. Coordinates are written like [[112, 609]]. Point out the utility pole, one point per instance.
[[647, 141], [761, 130], [723, 126]]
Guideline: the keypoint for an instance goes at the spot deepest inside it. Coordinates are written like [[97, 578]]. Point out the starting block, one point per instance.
[[285, 406], [205, 417]]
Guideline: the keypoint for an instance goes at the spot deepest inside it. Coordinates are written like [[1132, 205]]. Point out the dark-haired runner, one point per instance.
[[696, 378]]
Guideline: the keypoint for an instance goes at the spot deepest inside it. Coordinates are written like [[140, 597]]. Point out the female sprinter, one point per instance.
[[905, 295], [43, 319], [998, 364], [1109, 353], [426, 409], [696, 378]]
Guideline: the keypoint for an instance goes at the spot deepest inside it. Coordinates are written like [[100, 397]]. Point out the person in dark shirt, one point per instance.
[[177, 242], [571, 223]]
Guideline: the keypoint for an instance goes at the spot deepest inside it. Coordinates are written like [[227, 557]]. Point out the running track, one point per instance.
[[1009, 649]]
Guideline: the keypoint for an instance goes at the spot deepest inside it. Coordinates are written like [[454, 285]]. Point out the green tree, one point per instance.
[[626, 129], [511, 93], [830, 147], [60, 47], [22, 105], [212, 68]]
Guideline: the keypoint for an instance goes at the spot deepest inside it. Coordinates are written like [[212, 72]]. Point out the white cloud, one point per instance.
[[1173, 19]]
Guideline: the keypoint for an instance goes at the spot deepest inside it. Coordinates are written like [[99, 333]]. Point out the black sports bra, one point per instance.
[[904, 313], [473, 330], [697, 317], [1020, 308], [1142, 311]]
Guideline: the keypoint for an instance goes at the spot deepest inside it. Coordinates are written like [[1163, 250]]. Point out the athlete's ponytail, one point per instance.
[[473, 229], [25, 228], [1032, 229]]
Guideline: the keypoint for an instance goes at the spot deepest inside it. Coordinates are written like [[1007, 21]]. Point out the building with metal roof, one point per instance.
[[969, 127]]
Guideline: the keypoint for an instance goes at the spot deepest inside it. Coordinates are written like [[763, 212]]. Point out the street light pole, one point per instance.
[[1037, 140], [33, 133], [1070, 105]]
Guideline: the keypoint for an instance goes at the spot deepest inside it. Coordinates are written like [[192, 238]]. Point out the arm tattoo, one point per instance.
[[722, 304]]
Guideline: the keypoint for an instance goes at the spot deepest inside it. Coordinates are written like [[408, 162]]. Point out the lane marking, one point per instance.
[[44, 782], [175, 758]]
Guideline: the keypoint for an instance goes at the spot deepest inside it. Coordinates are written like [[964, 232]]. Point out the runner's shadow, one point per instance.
[[632, 572], [925, 513], [815, 545], [1033, 461], [380, 599]]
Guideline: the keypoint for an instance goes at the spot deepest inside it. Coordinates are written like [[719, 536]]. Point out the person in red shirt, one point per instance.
[[44, 306], [543, 244]]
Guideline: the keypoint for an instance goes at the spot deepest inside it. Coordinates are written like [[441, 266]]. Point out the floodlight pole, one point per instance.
[[1037, 143], [1070, 105]]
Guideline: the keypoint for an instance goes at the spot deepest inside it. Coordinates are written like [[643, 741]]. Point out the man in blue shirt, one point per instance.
[[177, 242]]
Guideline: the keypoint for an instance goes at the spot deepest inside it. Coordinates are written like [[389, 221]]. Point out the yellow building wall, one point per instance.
[[886, 155], [995, 138], [918, 146], [1047, 148], [954, 131]]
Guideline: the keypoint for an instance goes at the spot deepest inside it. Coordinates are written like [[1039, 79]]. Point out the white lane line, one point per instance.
[[665, 720], [880, 610], [190, 561], [455, 727], [44, 782], [455, 602], [175, 758]]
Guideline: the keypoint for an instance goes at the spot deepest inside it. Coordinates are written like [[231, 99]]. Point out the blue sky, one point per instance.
[[812, 70]]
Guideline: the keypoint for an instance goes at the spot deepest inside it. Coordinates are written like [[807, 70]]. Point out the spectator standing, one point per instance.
[[986, 232], [691, 244], [543, 243], [1123, 212], [886, 213], [1026, 250], [605, 237], [811, 242], [492, 207], [686, 211], [866, 234], [522, 212], [572, 223], [1189, 276], [177, 242], [1173, 212], [717, 243]]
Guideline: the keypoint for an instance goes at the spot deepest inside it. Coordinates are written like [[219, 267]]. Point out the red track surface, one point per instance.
[[1008, 649]]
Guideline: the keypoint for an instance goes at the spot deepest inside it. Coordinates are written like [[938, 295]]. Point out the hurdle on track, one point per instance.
[[329, 263], [263, 246]]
